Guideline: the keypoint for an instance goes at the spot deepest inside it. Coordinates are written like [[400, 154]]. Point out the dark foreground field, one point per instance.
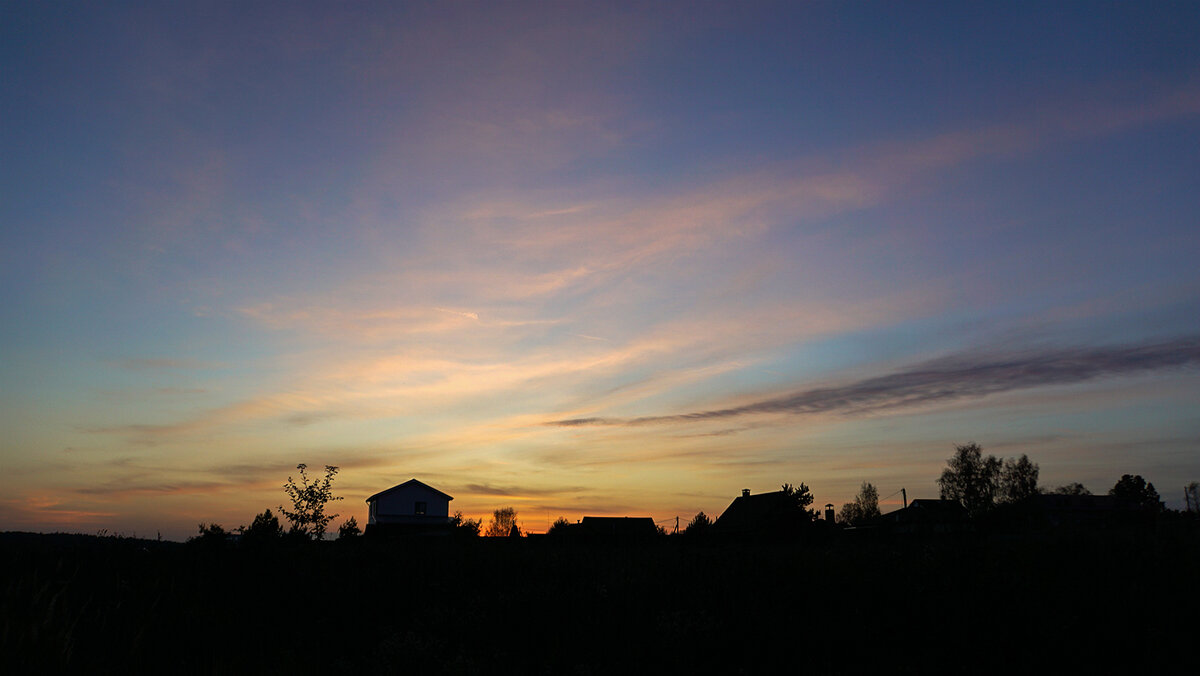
[[1070, 602]]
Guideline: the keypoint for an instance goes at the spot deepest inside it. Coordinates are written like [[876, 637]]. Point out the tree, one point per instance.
[[504, 520], [1074, 488], [971, 479], [864, 508], [699, 525], [1138, 490], [1018, 479], [464, 526], [559, 527], [349, 529], [1191, 496], [211, 535], [802, 498], [264, 528], [308, 502]]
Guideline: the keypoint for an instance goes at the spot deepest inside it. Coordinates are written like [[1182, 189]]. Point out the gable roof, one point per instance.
[[926, 511], [407, 484], [764, 511]]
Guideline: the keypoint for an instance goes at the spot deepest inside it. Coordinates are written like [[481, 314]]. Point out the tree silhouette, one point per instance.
[[1138, 490], [1191, 496], [802, 498], [264, 528], [1018, 479], [971, 479], [504, 520], [864, 508], [699, 525], [308, 502], [349, 529], [1074, 488], [559, 527], [212, 535], [464, 526]]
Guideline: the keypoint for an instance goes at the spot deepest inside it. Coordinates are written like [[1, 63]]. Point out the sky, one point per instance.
[[589, 258]]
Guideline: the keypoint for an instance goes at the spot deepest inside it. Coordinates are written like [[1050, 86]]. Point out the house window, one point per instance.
[[419, 509]]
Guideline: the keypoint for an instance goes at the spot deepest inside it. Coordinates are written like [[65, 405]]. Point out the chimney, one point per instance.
[[745, 492], [829, 512]]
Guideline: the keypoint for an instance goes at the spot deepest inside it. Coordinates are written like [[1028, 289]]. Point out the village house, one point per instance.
[[774, 514], [410, 507], [926, 517]]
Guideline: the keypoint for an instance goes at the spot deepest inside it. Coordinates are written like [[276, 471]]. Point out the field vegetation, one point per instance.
[[1074, 601]]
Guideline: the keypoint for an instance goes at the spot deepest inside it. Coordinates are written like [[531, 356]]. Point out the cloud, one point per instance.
[[468, 315], [520, 492], [42, 512], [305, 419], [967, 375], [153, 363], [123, 488]]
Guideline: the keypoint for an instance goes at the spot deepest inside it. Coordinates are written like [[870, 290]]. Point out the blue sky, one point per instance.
[[410, 240]]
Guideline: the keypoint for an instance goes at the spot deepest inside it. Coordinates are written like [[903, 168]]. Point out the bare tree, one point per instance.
[[1191, 496], [504, 520], [864, 508]]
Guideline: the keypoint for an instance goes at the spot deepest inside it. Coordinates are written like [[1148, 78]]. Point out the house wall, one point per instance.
[[398, 507]]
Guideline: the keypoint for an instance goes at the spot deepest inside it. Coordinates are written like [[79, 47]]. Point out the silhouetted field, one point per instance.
[[1106, 602]]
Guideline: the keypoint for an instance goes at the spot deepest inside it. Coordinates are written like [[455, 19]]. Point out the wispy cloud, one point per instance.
[[468, 315], [490, 490], [124, 488], [153, 363], [41, 511], [948, 379]]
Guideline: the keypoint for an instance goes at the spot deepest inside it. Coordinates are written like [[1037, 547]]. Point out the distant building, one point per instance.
[[618, 526], [926, 517], [766, 514], [410, 507], [610, 527]]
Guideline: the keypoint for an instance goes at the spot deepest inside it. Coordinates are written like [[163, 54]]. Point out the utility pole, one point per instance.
[[903, 496], [676, 531]]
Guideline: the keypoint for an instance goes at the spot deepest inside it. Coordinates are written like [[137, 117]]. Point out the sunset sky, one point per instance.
[[589, 258]]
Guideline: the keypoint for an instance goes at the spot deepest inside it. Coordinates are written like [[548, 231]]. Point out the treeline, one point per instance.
[[977, 482], [982, 483]]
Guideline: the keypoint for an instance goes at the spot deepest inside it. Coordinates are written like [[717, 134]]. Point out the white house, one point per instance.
[[411, 502]]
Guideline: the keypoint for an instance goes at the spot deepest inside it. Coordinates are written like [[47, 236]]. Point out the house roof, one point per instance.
[[942, 506], [408, 484], [927, 510], [759, 512]]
